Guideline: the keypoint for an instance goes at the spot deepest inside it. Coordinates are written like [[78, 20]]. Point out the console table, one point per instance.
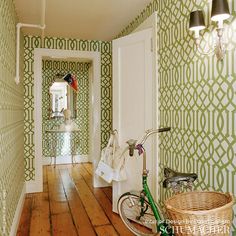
[[54, 142]]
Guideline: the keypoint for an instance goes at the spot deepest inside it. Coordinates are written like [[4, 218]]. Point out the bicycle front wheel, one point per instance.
[[129, 208]]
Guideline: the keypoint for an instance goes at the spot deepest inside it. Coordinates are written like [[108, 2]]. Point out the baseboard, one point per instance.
[[19, 208], [33, 186], [66, 159]]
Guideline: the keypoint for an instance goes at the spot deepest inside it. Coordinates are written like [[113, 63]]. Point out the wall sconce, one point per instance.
[[219, 13]]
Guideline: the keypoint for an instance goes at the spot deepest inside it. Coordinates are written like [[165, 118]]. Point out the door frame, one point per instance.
[[153, 23], [36, 185]]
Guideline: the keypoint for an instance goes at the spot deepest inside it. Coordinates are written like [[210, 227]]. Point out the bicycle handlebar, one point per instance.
[[153, 131], [132, 143]]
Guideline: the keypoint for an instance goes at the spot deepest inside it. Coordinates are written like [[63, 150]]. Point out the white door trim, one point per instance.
[[36, 185], [153, 22]]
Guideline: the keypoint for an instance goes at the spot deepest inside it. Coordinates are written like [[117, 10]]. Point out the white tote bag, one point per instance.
[[111, 165], [105, 171], [119, 173], [104, 168]]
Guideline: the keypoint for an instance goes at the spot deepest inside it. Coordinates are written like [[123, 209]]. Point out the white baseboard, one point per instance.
[[66, 159], [33, 186], [19, 208]]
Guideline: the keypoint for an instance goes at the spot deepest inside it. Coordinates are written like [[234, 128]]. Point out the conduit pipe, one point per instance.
[[18, 27]]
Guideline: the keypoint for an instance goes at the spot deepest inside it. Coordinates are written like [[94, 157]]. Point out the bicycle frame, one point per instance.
[[145, 195], [162, 226]]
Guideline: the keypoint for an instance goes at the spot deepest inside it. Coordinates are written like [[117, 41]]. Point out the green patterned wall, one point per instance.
[[81, 71], [32, 42], [197, 97], [11, 121]]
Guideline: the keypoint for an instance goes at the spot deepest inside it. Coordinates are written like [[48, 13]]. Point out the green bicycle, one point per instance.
[[138, 211]]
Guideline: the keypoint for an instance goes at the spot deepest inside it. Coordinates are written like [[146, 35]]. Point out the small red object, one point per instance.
[[74, 83]]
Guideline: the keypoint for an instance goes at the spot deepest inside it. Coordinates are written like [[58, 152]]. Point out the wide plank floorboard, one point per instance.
[[69, 205], [78, 212], [102, 198], [24, 225], [40, 218]]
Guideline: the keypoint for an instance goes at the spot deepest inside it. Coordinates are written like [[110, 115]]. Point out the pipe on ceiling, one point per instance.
[[18, 27]]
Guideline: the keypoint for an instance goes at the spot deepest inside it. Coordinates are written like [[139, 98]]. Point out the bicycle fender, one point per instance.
[[135, 193]]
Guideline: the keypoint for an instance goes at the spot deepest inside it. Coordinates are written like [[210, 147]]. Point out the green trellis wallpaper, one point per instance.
[[11, 121], [197, 97], [81, 71], [32, 42]]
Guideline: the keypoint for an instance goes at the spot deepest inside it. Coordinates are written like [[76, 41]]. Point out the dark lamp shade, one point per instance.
[[196, 21], [220, 10]]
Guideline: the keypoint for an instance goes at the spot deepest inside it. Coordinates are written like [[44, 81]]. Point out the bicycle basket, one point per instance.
[[200, 213]]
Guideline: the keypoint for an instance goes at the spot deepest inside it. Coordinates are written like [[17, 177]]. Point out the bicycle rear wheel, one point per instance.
[[129, 208]]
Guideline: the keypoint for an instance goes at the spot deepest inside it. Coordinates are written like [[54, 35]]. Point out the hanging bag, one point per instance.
[[111, 165], [119, 173], [104, 168], [104, 171]]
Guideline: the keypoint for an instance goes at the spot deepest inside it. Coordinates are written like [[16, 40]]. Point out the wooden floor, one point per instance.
[[69, 205]]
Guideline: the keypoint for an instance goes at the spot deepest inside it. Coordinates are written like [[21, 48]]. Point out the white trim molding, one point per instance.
[[19, 208], [95, 124], [153, 22]]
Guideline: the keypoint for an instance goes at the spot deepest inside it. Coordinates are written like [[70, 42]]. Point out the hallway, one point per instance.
[[69, 205]]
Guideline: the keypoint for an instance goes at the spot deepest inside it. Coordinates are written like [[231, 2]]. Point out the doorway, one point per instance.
[[58, 97], [95, 120]]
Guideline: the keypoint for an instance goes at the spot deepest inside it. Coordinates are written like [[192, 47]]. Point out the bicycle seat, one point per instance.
[[174, 177]]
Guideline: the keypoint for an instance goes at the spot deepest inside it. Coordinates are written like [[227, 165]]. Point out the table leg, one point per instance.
[[73, 154], [54, 146]]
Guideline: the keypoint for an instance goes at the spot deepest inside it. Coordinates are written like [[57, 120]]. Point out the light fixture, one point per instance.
[[219, 13]]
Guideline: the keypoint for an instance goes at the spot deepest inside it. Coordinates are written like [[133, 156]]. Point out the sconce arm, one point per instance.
[[201, 50], [218, 49]]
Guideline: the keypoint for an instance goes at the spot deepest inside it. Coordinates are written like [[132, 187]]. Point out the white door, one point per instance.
[[134, 96]]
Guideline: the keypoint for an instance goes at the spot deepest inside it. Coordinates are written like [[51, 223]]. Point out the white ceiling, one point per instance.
[[83, 19]]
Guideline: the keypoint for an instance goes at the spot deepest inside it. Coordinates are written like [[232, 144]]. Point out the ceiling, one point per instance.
[[82, 19]]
